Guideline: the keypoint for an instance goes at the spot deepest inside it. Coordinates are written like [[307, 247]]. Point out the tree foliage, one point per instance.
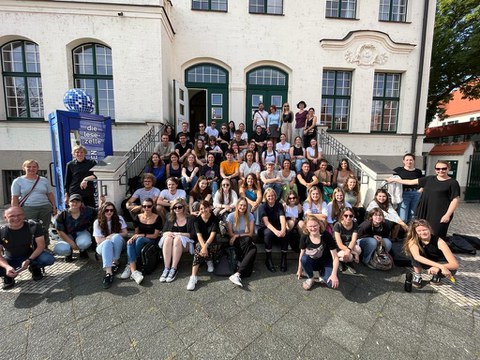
[[455, 54]]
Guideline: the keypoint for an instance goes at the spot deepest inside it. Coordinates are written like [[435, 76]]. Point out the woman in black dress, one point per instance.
[[439, 198]]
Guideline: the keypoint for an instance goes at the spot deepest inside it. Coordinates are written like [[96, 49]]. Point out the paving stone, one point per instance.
[[320, 347], [267, 346], [243, 328], [215, 345], [347, 335]]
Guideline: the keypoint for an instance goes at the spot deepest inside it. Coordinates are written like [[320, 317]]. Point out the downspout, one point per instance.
[[420, 78]]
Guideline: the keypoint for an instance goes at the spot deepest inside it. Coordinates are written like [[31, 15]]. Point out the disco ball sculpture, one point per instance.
[[79, 101]]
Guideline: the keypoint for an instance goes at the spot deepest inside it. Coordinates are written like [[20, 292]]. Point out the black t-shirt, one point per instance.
[[210, 172], [19, 242], [366, 229], [326, 241], [75, 173], [183, 149], [345, 234], [148, 228], [272, 213], [431, 250], [408, 175], [206, 228]]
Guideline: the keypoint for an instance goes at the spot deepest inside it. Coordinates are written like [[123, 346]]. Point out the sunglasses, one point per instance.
[[348, 216], [292, 198], [147, 206], [109, 210], [225, 185], [441, 169], [178, 207]]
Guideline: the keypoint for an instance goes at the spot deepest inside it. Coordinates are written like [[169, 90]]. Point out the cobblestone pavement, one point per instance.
[[272, 317]]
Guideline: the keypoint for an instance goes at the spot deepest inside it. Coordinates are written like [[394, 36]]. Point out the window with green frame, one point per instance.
[[92, 72], [336, 94], [343, 9], [21, 80], [386, 100], [266, 7], [393, 10], [212, 5]]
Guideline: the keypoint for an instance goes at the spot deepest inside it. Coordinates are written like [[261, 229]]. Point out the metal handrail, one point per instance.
[[333, 151]]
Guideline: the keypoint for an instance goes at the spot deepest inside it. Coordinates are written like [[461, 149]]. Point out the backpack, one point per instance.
[[228, 262], [150, 258], [459, 245]]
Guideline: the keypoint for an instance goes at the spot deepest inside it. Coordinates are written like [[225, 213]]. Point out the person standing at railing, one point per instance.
[[341, 173]]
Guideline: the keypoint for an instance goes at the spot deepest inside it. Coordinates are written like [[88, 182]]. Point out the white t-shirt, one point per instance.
[[167, 195], [98, 232], [245, 169], [281, 147]]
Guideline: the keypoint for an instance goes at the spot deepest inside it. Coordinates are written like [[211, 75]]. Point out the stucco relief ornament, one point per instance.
[[366, 55]]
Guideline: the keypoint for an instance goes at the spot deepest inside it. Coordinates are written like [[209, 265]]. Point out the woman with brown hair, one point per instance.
[[109, 231], [351, 188], [287, 120]]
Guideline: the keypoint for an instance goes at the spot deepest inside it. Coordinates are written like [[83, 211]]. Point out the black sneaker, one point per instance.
[[408, 282], [84, 254], [114, 268], [8, 282], [107, 281], [36, 273], [69, 258], [436, 279], [417, 282]]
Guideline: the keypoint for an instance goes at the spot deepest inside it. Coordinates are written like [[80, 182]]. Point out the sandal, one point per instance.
[[307, 284]]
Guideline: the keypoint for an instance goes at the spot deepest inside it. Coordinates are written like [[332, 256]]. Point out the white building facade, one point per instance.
[[363, 66]]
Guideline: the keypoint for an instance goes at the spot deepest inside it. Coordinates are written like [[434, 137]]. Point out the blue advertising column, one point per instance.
[[68, 129]]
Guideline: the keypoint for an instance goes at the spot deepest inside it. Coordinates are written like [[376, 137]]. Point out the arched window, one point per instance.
[[21, 80], [92, 72]]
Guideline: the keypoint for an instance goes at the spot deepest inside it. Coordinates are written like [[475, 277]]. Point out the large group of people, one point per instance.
[[219, 183]]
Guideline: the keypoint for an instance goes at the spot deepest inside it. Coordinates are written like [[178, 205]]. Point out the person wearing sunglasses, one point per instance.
[[224, 199], [439, 199], [147, 230], [178, 234], [346, 234], [109, 231]]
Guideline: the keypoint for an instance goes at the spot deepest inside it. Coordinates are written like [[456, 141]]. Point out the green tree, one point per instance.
[[455, 53]]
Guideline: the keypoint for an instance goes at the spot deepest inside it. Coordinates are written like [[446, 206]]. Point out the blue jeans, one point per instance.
[[368, 246], [298, 164], [187, 186], [214, 187], [83, 239], [325, 267], [282, 157], [134, 249], [275, 186], [407, 207], [110, 249], [44, 259]]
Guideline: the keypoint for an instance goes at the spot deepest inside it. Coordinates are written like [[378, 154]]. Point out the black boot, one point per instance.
[[283, 262], [36, 272], [8, 283], [269, 263]]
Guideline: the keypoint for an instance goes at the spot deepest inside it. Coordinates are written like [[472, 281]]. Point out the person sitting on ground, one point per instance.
[[346, 235], [428, 251], [167, 196], [224, 199], [230, 169], [335, 206], [241, 228], [274, 228], [148, 226], [148, 191], [190, 170], [183, 148], [318, 251], [200, 192], [211, 171], [351, 188], [109, 231], [178, 237], [206, 249], [72, 227], [382, 200], [20, 249], [373, 231], [156, 167], [164, 148]]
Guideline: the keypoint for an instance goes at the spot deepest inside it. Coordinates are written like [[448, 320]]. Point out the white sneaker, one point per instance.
[[210, 266], [137, 276], [235, 278], [164, 275], [191, 283], [126, 273]]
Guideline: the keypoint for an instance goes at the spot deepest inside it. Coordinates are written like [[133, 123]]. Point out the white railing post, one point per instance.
[[109, 173]]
